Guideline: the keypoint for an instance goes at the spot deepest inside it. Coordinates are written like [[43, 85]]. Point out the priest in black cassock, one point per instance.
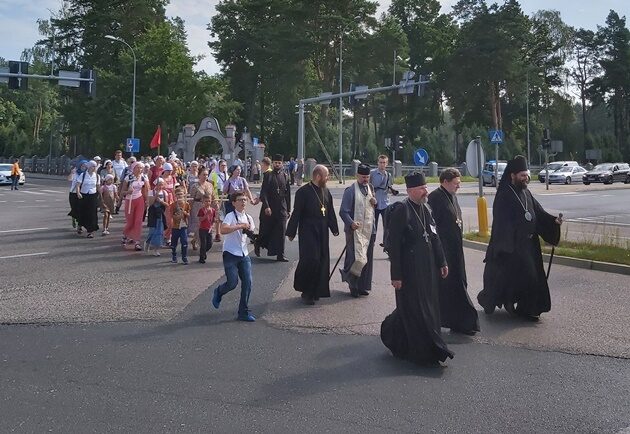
[[275, 196], [456, 308], [417, 263], [514, 276], [358, 214], [313, 216]]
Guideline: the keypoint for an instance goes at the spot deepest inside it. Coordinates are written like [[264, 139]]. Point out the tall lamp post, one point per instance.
[[133, 94], [343, 30]]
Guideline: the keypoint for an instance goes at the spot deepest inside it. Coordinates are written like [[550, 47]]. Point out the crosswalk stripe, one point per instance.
[[33, 192], [54, 191]]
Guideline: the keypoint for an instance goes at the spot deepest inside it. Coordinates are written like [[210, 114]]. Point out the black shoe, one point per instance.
[[363, 292], [307, 299], [509, 307], [281, 258], [354, 293], [489, 310], [257, 250], [382, 245]]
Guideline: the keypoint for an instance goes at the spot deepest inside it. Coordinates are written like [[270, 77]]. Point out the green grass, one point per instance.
[[401, 179], [581, 250]]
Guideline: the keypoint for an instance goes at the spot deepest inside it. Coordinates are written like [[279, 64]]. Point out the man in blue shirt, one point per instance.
[[381, 180]]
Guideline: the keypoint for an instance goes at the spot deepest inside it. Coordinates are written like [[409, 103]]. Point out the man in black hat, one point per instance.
[[456, 309], [275, 195], [514, 276], [417, 263], [357, 213]]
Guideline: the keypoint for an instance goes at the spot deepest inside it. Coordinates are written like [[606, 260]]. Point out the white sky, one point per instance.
[[18, 27]]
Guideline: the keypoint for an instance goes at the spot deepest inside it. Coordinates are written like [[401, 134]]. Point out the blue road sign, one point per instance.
[[421, 157], [255, 141], [133, 145], [495, 136]]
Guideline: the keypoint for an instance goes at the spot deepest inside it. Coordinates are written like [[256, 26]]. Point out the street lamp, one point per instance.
[[133, 94]]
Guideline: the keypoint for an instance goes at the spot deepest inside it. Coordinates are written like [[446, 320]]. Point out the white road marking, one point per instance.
[[24, 230], [24, 255], [53, 191], [597, 221], [33, 192]]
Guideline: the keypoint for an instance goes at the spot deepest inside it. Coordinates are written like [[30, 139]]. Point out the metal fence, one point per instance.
[[52, 166]]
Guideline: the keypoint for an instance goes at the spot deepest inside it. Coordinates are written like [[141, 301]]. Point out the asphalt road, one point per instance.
[[96, 338]]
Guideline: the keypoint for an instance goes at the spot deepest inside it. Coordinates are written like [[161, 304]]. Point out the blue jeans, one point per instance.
[[14, 182], [179, 235], [237, 267]]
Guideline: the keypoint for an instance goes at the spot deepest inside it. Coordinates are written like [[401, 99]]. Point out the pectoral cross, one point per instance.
[[425, 235], [323, 210]]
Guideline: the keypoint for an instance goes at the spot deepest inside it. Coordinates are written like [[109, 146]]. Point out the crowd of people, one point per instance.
[[206, 201]]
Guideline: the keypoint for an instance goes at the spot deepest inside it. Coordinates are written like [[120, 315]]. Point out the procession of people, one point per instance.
[[423, 236]]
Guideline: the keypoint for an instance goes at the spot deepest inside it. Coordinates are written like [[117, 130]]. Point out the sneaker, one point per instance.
[[174, 261], [248, 318], [156, 253], [79, 230], [185, 261], [138, 247], [90, 235], [123, 241], [105, 232]]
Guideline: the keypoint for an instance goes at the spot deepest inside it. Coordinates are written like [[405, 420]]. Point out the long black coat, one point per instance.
[[413, 331], [456, 308], [514, 271], [275, 193], [311, 274]]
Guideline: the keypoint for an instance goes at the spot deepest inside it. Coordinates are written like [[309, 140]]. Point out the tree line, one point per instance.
[[489, 64]]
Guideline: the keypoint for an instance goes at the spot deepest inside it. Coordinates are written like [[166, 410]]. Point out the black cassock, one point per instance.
[[412, 330], [514, 271], [311, 274], [456, 308], [275, 193]]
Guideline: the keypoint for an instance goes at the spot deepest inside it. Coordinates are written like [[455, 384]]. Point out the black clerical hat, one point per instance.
[[517, 164], [415, 180], [278, 157], [363, 169]]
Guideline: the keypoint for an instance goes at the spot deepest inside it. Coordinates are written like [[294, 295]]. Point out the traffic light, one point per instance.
[[20, 83], [399, 141], [88, 87], [546, 138]]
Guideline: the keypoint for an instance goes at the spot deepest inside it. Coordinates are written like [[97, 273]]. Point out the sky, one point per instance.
[[18, 27]]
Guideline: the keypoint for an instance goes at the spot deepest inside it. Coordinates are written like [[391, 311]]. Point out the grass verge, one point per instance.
[[574, 249]]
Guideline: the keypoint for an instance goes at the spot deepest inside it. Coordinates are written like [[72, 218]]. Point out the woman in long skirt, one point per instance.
[[155, 218], [87, 195], [81, 166], [135, 189]]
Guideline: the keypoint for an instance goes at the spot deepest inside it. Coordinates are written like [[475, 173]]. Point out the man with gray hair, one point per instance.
[[456, 310]]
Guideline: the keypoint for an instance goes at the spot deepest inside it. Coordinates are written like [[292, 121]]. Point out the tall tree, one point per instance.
[[586, 68]]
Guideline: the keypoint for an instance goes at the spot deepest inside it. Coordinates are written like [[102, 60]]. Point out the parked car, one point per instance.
[[5, 175], [608, 173], [567, 174], [552, 167], [488, 173]]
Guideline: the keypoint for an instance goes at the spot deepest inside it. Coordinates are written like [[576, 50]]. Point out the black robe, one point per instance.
[[514, 271], [456, 308], [413, 331], [275, 193], [311, 274]]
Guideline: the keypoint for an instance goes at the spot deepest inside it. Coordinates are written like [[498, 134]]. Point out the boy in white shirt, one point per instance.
[[236, 261]]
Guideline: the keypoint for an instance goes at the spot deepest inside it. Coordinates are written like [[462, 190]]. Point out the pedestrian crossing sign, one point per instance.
[[496, 136]]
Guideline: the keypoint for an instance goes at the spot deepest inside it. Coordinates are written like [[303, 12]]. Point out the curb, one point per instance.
[[586, 264]]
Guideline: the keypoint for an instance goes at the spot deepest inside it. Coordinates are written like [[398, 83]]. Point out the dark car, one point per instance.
[[608, 173]]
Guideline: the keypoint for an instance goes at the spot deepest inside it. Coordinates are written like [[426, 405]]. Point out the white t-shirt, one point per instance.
[[74, 182], [88, 182], [236, 242], [119, 167]]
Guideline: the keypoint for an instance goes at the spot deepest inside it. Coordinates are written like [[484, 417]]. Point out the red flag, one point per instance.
[[156, 141]]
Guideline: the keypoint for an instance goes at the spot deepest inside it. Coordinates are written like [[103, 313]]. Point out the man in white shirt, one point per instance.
[[236, 261]]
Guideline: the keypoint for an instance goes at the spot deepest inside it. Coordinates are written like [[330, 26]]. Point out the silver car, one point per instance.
[[566, 175], [5, 175]]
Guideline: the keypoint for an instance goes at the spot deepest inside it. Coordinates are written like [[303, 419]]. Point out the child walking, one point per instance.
[[180, 210], [109, 199], [206, 216], [156, 221]]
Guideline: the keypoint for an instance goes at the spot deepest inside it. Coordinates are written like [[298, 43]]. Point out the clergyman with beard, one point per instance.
[[514, 276]]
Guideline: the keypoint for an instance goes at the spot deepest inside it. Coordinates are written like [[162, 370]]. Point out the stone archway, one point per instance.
[[209, 127]]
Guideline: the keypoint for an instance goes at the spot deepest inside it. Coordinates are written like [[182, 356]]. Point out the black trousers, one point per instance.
[[205, 243]]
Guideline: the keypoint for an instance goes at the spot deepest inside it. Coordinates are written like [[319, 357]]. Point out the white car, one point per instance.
[[567, 175], [5, 175]]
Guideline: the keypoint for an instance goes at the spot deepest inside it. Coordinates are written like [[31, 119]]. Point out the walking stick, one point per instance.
[[337, 263], [553, 250]]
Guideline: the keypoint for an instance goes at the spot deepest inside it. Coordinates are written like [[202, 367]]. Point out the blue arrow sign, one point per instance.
[[421, 157], [133, 145], [495, 136]]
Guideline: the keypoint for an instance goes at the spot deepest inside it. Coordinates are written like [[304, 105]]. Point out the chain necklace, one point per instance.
[[321, 202], [422, 221], [458, 217], [528, 215]]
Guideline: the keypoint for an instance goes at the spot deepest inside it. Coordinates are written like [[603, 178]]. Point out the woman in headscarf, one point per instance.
[[192, 175], [155, 220], [108, 169], [170, 182], [135, 190], [236, 184], [87, 194], [201, 188], [77, 170]]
